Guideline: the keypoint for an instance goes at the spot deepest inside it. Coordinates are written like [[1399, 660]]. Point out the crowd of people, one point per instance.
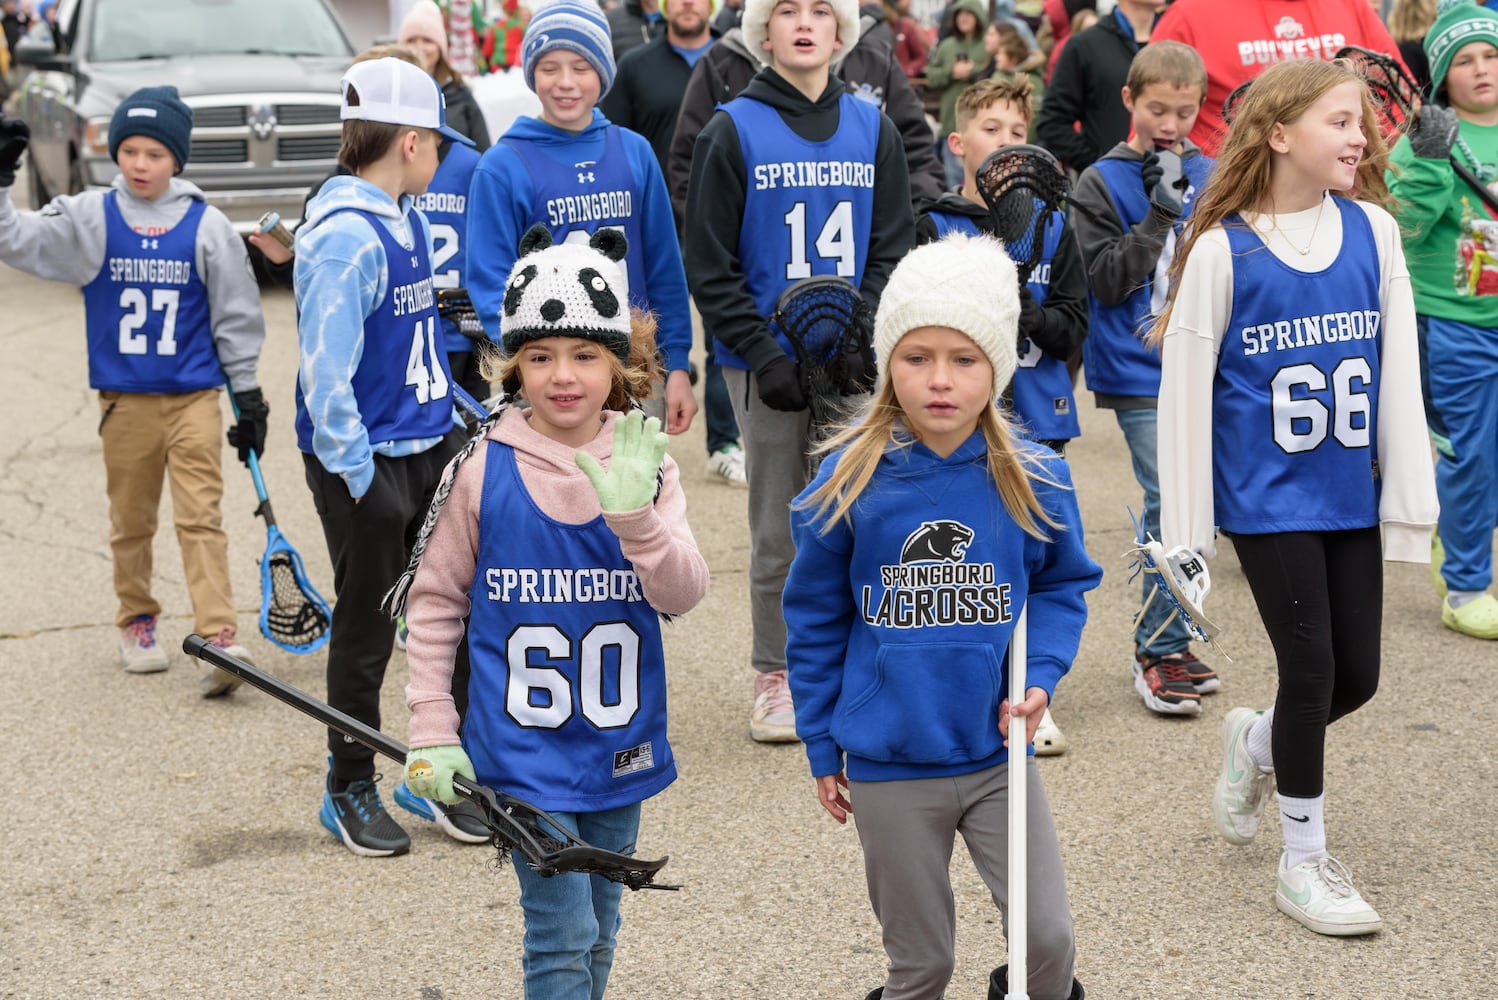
[[1283, 313]]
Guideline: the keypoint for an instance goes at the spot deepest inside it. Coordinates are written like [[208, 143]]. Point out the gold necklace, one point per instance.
[[1274, 223]]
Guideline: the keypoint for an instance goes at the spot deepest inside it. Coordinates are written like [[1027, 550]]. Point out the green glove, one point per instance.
[[629, 483], [430, 771]]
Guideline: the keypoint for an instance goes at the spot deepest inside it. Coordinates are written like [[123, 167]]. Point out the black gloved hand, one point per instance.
[[1150, 170], [1031, 314], [1434, 132], [249, 432], [14, 137], [780, 385]]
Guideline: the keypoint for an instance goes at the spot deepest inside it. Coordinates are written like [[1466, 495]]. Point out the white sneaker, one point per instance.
[[1049, 740], [1318, 892], [215, 683], [1242, 788], [139, 651], [774, 717], [727, 465]]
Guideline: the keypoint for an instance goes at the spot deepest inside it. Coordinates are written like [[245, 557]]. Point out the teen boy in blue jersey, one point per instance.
[[794, 177], [993, 114], [1128, 208], [575, 172], [374, 404], [171, 311]]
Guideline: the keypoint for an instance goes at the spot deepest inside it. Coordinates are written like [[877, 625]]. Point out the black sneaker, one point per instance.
[[357, 817], [1202, 677], [1164, 685], [998, 986], [462, 822]]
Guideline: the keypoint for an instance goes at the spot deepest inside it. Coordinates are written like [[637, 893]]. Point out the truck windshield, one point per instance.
[[125, 30]]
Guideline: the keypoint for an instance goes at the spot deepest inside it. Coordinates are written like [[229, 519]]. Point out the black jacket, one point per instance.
[[870, 69], [465, 115], [647, 93], [1085, 87], [1059, 325], [715, 206], [630, 28]]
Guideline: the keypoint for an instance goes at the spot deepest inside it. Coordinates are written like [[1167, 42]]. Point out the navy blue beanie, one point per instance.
[[156, 113]]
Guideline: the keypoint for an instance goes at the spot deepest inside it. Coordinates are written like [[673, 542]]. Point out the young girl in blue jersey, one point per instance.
[[1290, 416], [574, 172], [171, 312], [1128, 210], [1451, 241], [930, 524], [561, 532], [375, 419]]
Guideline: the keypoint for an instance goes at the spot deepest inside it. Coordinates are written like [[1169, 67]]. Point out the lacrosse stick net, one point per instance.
[[1231, 102], [514, 824], [454, 305], [1181, 581], [1023, 187], [827, 324]]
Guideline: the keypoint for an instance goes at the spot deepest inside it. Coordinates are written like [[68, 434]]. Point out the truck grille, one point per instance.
[[225, 117], [307, 114], [308, 147], [219, 151]]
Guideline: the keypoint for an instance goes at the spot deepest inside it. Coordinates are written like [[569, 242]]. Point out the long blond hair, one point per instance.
[[1240, 181], [878, 427]]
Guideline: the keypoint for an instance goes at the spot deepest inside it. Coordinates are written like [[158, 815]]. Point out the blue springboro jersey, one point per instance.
[[148, 322], [808, 206], [575, 203], [1114, 357], [1295, 398], [402, 382], [445, 204], [567, 699], [1041, 394]]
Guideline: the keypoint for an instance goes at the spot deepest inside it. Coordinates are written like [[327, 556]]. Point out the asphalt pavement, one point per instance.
[[160, 845]]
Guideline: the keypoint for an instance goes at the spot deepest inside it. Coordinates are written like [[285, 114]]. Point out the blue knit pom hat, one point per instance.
[[577, 26], [156, 113], [1458, 23]]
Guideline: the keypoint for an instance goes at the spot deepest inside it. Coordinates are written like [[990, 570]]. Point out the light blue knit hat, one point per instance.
[[575, 25]]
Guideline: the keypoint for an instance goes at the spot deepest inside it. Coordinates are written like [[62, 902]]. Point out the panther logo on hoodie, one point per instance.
[[937, 541]]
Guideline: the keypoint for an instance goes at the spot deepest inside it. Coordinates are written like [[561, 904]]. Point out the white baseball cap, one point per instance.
[[397, 93]]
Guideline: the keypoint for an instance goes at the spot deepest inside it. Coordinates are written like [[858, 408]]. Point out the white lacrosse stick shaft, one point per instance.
[[1019, 755]]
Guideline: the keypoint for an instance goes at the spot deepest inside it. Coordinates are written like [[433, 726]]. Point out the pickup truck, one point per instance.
[[261, 77]]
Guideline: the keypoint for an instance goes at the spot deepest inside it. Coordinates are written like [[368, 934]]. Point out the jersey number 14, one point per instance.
[[834, 241]]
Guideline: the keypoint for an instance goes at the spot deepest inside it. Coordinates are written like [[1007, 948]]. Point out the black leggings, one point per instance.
[[1320, 595]]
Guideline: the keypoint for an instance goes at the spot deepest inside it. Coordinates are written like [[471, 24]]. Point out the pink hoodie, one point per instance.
[[655, 538]]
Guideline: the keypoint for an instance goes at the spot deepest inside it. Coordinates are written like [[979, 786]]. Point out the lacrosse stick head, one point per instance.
[[1182, 581], [1023, 186], [828, 326], [293, 615], [454, 306], [1231, 102], [1394, 93]]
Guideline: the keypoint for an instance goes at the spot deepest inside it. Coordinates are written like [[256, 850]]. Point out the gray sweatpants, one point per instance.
[[775, 444], [907, 830]]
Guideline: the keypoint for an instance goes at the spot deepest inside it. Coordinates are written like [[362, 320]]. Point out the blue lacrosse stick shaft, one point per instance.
[[467, 403]]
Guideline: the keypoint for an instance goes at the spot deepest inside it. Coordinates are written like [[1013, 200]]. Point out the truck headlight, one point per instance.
[[96, 137]]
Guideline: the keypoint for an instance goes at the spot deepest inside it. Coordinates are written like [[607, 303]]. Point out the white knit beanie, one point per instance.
[[755, 24], [425, 21], [967, 283]]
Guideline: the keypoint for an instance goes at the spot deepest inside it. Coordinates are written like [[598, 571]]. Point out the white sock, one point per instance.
[[1456, 598], [1304, 828], [1260, 746]]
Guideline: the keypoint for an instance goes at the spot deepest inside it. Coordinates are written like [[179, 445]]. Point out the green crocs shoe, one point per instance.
[[1477, 618], [1437, 560]]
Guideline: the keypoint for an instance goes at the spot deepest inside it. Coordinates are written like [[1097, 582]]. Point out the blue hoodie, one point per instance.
[[340, 278], [898, 623], [503, 203]]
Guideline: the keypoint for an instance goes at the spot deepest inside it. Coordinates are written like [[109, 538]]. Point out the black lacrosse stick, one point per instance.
[[1023, 186], [827, 323], [1231, 102], [1396, 98], [454, 305], [514, 824]]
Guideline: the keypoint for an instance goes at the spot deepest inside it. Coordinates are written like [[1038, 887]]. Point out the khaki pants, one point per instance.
[[179, 434]]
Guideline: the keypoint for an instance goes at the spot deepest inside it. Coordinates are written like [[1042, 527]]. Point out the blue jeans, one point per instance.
[[571, 919], [722, 428], [1140, 430]]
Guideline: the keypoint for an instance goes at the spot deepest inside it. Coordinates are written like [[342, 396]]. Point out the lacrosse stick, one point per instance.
[[1018, 815], [1181, 580], [827, 324], [514, 824], [1396, 97], [1023, 186], [454, 305], [293, 615], [1231, 102]]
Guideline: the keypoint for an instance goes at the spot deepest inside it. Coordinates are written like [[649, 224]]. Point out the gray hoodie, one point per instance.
[[65, 241]]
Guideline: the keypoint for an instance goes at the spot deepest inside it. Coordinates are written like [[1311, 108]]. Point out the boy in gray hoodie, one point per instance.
[[171, 313]]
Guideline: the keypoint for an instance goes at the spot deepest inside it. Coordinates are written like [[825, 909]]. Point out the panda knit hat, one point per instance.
[[567, 290], [967, 283], [1458, 23], [755, 24]]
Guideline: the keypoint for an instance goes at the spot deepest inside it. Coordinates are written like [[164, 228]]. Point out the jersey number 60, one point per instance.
[[541, 697]]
